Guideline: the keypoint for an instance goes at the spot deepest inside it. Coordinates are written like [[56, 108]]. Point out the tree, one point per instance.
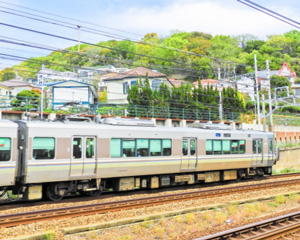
[[243, 39], [26, 100], [279, 81], [8, 74], [253, 45]]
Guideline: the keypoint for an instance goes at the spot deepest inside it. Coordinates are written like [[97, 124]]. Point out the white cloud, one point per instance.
[[215, 17]]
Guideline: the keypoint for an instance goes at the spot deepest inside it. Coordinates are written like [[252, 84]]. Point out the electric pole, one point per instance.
[[79, 27], [270, 96], [257, 91]]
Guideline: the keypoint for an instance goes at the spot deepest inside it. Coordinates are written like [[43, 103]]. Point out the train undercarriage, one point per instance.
[[56, 191]]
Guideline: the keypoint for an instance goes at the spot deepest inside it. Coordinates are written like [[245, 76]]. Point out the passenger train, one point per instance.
[[54, 159]]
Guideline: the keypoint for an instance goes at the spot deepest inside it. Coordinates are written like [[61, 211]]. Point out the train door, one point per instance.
[[189, 153], [89, 158], [270, 151], [83, 158], [257, 157]]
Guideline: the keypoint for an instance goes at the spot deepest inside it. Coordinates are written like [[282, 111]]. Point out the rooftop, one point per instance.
[[136, 72]]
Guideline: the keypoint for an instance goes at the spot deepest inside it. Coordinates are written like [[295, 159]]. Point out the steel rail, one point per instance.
[[273, 228], [9, 220]]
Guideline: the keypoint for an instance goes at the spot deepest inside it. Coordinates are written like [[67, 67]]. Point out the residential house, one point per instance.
[[246, 85], [71, 93], [219, 84], [284, 71], [117, 85], [98, 71], [46, 75], [176, 82], [12, 88]]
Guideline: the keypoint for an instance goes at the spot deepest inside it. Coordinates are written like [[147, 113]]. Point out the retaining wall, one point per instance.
[[289, 159]]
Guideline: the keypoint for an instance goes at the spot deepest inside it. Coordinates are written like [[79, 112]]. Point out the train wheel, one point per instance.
[[96, 193], [241, 174], [52, 195]]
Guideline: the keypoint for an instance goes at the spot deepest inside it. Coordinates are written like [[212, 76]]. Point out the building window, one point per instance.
[[156, 84], [132, 83], [125, 87]]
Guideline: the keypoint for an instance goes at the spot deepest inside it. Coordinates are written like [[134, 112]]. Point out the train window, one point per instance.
[[242, 146], [226, 146], [234, 146], [217, 146], [5, 149], [77, 148], [270, 146], [129, 148], [192, 147], [254, 146], [115, 147], [259, 148], [208, 147], [90, 149], [167, 147], [142, 147], [43, 148], [155, 147], [184, 147]]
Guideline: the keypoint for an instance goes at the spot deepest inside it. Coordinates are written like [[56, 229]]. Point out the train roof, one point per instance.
[[8, 123], [99, 126]]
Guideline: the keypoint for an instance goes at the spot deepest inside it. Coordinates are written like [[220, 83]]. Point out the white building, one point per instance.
[[117, 85], [71, 92], [46, 75]]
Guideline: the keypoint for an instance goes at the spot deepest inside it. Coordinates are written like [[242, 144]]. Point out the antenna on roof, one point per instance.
[[128, 122], [210, 126]]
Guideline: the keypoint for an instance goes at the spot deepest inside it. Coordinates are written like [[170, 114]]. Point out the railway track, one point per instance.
[[9, 220], [274, 228]]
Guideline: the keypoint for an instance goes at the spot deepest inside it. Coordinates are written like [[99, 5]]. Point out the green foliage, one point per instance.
[[26, 100], [7, 74], [190, 103], [278, 81], [240, 49]]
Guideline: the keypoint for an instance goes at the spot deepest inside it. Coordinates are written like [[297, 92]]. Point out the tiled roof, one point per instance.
[[15, 83], [206, 81], [137, 72]]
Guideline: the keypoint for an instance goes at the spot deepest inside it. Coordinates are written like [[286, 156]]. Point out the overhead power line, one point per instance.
[[269, 12], [96, 31], [72, 19]]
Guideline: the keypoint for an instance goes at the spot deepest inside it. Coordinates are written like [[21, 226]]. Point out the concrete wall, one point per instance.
[[289, 159]]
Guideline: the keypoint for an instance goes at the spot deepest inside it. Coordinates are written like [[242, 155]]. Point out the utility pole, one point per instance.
[[270, 96], [220, 105], [263, 112], [257, 91], [42, 97], [79, 27], [220, 98]]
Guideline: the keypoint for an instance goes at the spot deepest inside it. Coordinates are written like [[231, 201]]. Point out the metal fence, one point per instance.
[[291, 120], [28, 104]]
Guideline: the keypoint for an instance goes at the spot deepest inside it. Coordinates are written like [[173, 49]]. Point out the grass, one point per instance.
[[272, 204], [284, 171], [280, 199], [49, 236], [189, 218]]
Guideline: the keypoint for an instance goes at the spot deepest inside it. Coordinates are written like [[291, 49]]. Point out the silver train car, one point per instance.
[[54, 159]]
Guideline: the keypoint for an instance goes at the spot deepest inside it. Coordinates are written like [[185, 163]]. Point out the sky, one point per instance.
[[132, 19]]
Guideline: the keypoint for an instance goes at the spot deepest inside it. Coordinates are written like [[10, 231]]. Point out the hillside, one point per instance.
[[189, 63]]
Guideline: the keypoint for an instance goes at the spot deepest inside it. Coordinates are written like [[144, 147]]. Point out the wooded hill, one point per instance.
[[190, 63]]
